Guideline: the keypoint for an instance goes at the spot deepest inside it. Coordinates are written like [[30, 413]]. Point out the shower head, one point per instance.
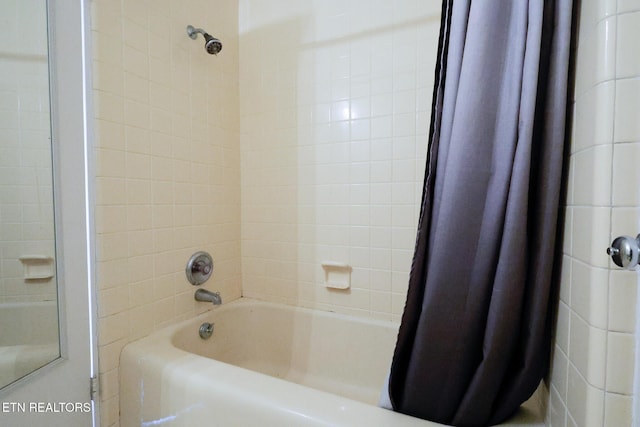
[[211, 44]]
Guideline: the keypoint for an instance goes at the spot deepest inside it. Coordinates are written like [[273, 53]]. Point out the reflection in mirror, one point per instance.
[[28, 294]]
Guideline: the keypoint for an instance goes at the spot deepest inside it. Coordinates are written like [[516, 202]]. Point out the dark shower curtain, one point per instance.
[[475, 334]]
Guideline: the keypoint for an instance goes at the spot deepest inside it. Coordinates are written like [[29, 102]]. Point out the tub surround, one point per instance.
[[167, 168], [591, 379]]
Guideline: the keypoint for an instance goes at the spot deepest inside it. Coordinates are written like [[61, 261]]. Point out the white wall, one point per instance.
[[167, 167], [593, 366], [335, 102]]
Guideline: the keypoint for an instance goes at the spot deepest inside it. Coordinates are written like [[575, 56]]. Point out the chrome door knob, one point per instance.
[[624, 251]]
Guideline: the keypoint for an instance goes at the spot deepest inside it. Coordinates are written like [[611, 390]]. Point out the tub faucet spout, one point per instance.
[[208, 296]]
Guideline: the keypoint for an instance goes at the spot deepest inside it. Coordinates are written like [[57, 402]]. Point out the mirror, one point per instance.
[[29, 337]]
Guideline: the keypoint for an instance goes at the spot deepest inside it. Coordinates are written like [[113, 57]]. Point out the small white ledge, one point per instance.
[[337, 275], [37, 267]]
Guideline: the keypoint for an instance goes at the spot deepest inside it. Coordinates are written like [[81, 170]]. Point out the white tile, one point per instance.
[[628, 53], [381, 237], [113, 300], [620, 363], [627, 125], [594, 116], [592, 176], [626, 173], [108, 107], [382, 126], [623, 289], [111, 191], [382, 104], [381, 281], [585, 403], [628, 6], [110, 219], [625, 221], [589, 293], [618, 410], [596, 55], [113, 328], [594, 11], [590, 235], [588, 351], [556, 410], [559, 372], [361, 107], [360, 129]]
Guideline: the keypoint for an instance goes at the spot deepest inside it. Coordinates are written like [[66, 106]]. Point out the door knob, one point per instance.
[[624, 251]]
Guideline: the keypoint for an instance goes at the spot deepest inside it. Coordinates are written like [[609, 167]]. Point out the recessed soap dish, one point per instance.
[[37, 267], [337, 275]]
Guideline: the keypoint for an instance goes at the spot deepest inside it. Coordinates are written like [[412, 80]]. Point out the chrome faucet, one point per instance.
[[208, 296]]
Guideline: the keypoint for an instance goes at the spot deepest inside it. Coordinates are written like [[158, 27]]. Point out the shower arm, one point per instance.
[[193, 32]]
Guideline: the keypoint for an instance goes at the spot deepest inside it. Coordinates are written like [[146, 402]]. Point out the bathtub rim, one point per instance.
[[529, 415]]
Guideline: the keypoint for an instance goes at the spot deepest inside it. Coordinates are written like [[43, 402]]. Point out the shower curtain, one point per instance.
[[475, 334]]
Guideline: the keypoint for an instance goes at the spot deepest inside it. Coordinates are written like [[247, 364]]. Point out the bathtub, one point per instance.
[[29, 338], [265, 365]]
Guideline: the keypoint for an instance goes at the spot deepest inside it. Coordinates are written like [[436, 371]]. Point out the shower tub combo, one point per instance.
[[269, 365]]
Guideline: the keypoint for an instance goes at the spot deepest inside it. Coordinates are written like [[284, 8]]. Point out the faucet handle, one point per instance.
[[199, 268]]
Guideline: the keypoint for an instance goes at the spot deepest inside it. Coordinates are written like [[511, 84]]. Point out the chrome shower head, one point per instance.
[[211, 44]]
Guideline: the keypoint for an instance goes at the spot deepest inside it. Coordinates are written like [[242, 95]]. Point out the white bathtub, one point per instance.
[[265, 365], [29, 338]]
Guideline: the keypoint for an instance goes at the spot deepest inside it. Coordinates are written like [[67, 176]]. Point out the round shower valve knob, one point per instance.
[[624, 251], [199, 268]]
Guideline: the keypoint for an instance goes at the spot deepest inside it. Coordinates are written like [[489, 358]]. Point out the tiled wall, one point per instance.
[[167, 162], [593, 366], [26, 213], [335, 102]]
